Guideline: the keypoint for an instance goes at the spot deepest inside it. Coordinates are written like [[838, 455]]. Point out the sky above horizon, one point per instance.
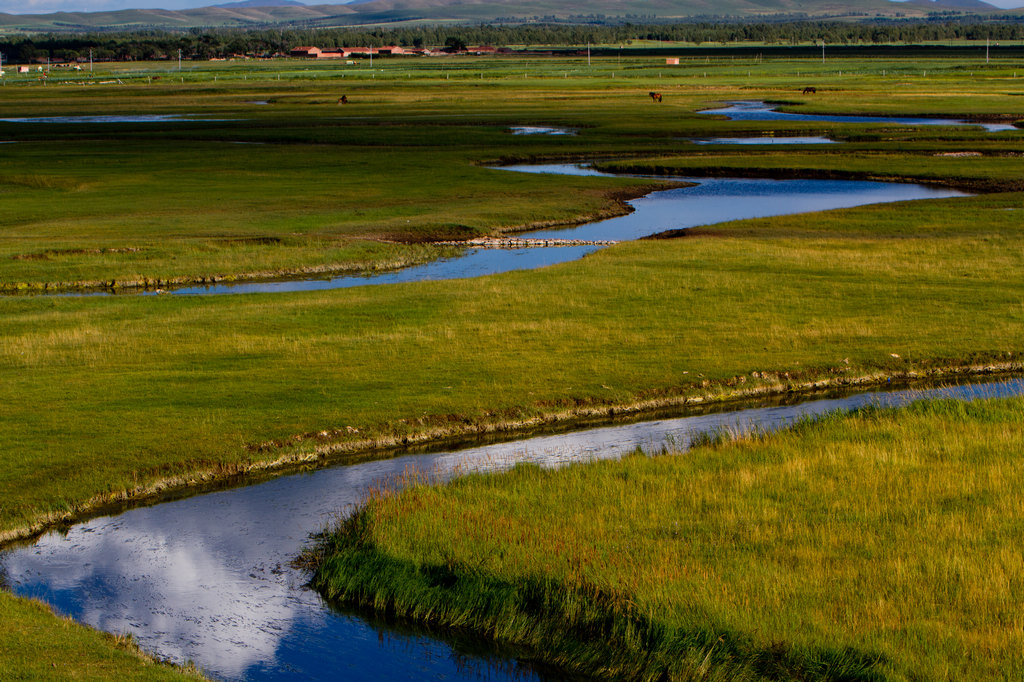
[[47, 6]]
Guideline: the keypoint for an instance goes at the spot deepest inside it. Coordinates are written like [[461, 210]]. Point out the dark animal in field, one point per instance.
[[810, 90], [655, 96], [343, 99]]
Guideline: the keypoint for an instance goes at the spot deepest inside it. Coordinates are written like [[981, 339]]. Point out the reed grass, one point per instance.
[[877, 545]]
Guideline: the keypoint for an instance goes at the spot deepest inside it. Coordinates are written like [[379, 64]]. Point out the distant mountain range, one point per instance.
[[263, 3], [284, 13]]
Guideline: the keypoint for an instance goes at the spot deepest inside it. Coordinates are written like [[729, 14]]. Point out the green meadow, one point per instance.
[[118, 396], [35, 645], [876, 546]]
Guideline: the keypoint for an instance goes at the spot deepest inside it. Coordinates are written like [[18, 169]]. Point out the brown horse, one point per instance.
[[655, 96], [343, 99], [810, 90]]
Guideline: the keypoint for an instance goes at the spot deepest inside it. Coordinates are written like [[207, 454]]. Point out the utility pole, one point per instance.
[[823, 51], [986, 50], [588, 53], [90, 60], [179, 60]]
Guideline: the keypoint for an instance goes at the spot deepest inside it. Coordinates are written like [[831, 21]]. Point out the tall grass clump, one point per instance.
[[876, 545]]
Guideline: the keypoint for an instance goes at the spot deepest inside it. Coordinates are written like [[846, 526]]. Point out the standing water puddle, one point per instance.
[[207, 578], [708, 201], [762, 111]]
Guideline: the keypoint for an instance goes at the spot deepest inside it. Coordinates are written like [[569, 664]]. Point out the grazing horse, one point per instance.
[[655, 96], [343, 99], [810, 90]]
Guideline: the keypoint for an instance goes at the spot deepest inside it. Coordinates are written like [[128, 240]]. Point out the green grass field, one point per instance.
[[114, 396], [303, 185], [36, 645], [877, 546]]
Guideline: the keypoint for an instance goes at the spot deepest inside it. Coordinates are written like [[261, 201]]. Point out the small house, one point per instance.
[[306, 51]]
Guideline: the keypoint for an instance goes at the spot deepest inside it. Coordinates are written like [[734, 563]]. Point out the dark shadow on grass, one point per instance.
[[575, 629]]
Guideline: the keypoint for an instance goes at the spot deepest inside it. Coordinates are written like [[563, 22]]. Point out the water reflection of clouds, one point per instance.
[[206, 578], [186, 595]]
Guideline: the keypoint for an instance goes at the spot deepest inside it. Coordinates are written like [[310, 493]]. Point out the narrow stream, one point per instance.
[[708, 201], [207, 578], [756, 110]]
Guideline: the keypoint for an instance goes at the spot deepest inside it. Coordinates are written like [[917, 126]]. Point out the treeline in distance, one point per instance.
[[218, 43]]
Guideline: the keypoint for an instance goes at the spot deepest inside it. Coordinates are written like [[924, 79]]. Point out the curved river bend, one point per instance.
[[708, 201], [206, 578]]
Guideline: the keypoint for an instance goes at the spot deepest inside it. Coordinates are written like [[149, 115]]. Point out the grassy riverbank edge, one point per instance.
[[970, 185], [309, 450], [158, 283], [37, 643], [567, 606], [576, 630], [413, 254]]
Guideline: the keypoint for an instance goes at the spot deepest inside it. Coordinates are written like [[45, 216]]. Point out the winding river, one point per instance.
[[207, 579], [707, 201]]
